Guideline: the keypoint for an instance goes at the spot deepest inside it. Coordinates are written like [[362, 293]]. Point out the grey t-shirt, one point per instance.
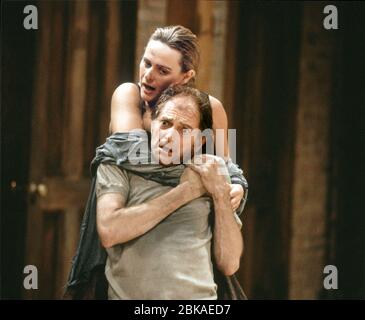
[[170, 261]]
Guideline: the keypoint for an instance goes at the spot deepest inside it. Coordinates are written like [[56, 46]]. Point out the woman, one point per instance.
[[171, 57]]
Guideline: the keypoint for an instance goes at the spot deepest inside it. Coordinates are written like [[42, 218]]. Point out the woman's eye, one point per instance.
[[147, 64]]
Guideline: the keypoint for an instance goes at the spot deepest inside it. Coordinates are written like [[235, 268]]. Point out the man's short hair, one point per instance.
[[201, 100]]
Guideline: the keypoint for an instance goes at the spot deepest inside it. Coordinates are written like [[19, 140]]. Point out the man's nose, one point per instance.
[[168, 135]]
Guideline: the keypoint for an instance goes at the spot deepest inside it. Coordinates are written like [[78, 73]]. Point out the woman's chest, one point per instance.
[[146, 120]]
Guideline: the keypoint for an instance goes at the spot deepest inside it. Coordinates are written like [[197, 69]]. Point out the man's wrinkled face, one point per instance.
[[174, 131]]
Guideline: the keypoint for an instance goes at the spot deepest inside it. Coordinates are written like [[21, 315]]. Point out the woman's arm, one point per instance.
[[125, 110], [239, 186], [220, 121]]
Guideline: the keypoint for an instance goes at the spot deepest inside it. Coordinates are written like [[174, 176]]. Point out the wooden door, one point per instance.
[[75, 76]]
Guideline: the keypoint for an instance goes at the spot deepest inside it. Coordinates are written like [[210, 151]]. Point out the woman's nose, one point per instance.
[[149, 75]]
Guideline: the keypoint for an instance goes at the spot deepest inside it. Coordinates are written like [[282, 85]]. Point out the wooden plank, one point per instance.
[[231, 58], [47, 273], [112, 62], [308, 224], [244, 122], [151, 14], [94, 96], [39, 122], [55, 107], [69, 230], [70, 193], [206, 39], [183, 13], [76, 91], [219, 60], [64, 193]]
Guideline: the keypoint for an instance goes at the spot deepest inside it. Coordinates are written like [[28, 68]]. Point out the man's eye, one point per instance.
[[164, 122], [163, 71], [147, 64]]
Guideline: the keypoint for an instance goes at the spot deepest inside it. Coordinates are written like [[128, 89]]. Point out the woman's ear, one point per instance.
[[188, 75]]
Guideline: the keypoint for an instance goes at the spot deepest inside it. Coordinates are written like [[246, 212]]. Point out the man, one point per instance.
[[158, 238]]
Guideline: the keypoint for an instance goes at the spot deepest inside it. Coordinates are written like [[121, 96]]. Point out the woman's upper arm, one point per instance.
[[220, 121], [125, 109]]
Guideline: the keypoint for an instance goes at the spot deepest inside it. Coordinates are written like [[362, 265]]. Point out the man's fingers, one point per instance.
[[194, 167]]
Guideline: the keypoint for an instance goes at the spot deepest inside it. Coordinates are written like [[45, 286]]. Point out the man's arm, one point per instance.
[[227, 237], [118, 224], [228, 242]]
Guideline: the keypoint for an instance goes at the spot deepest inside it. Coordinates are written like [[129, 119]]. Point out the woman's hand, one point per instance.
[[236, 195]]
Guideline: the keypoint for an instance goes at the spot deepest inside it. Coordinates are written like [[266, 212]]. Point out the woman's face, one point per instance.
[[160, 68]]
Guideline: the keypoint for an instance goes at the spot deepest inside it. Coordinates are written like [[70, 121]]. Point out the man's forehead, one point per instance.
[[182, 109], [180, 105]]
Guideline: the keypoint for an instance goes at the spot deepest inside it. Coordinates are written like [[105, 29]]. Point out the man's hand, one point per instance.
[[196, 186], [236, 194], [212, 171]]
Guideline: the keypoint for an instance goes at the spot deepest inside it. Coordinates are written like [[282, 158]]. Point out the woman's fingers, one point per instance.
[[236, 194], [235, 204]]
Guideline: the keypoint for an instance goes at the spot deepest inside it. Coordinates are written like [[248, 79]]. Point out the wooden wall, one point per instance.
[[85, 49], [261, 88]]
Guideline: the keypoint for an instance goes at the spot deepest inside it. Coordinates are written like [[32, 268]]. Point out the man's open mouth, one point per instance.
[[167, 150]]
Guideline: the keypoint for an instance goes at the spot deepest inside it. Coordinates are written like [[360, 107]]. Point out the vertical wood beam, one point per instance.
[[206, 38], [112, 63], [219, 60], [183, 13], [308, 223], [39, 122], [76, 91], [73, 147], [151, 14]]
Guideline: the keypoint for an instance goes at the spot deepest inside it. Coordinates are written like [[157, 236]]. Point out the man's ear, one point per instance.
[[188, 75]]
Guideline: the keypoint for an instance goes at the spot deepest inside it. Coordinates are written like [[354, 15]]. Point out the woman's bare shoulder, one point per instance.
[[126, 91], [125, 108], [216, 104], [217, 109]]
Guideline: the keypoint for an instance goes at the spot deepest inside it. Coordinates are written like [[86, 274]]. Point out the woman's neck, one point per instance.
[[150, 105]]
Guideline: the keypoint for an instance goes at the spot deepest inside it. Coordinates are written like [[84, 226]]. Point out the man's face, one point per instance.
[[173, 137]]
